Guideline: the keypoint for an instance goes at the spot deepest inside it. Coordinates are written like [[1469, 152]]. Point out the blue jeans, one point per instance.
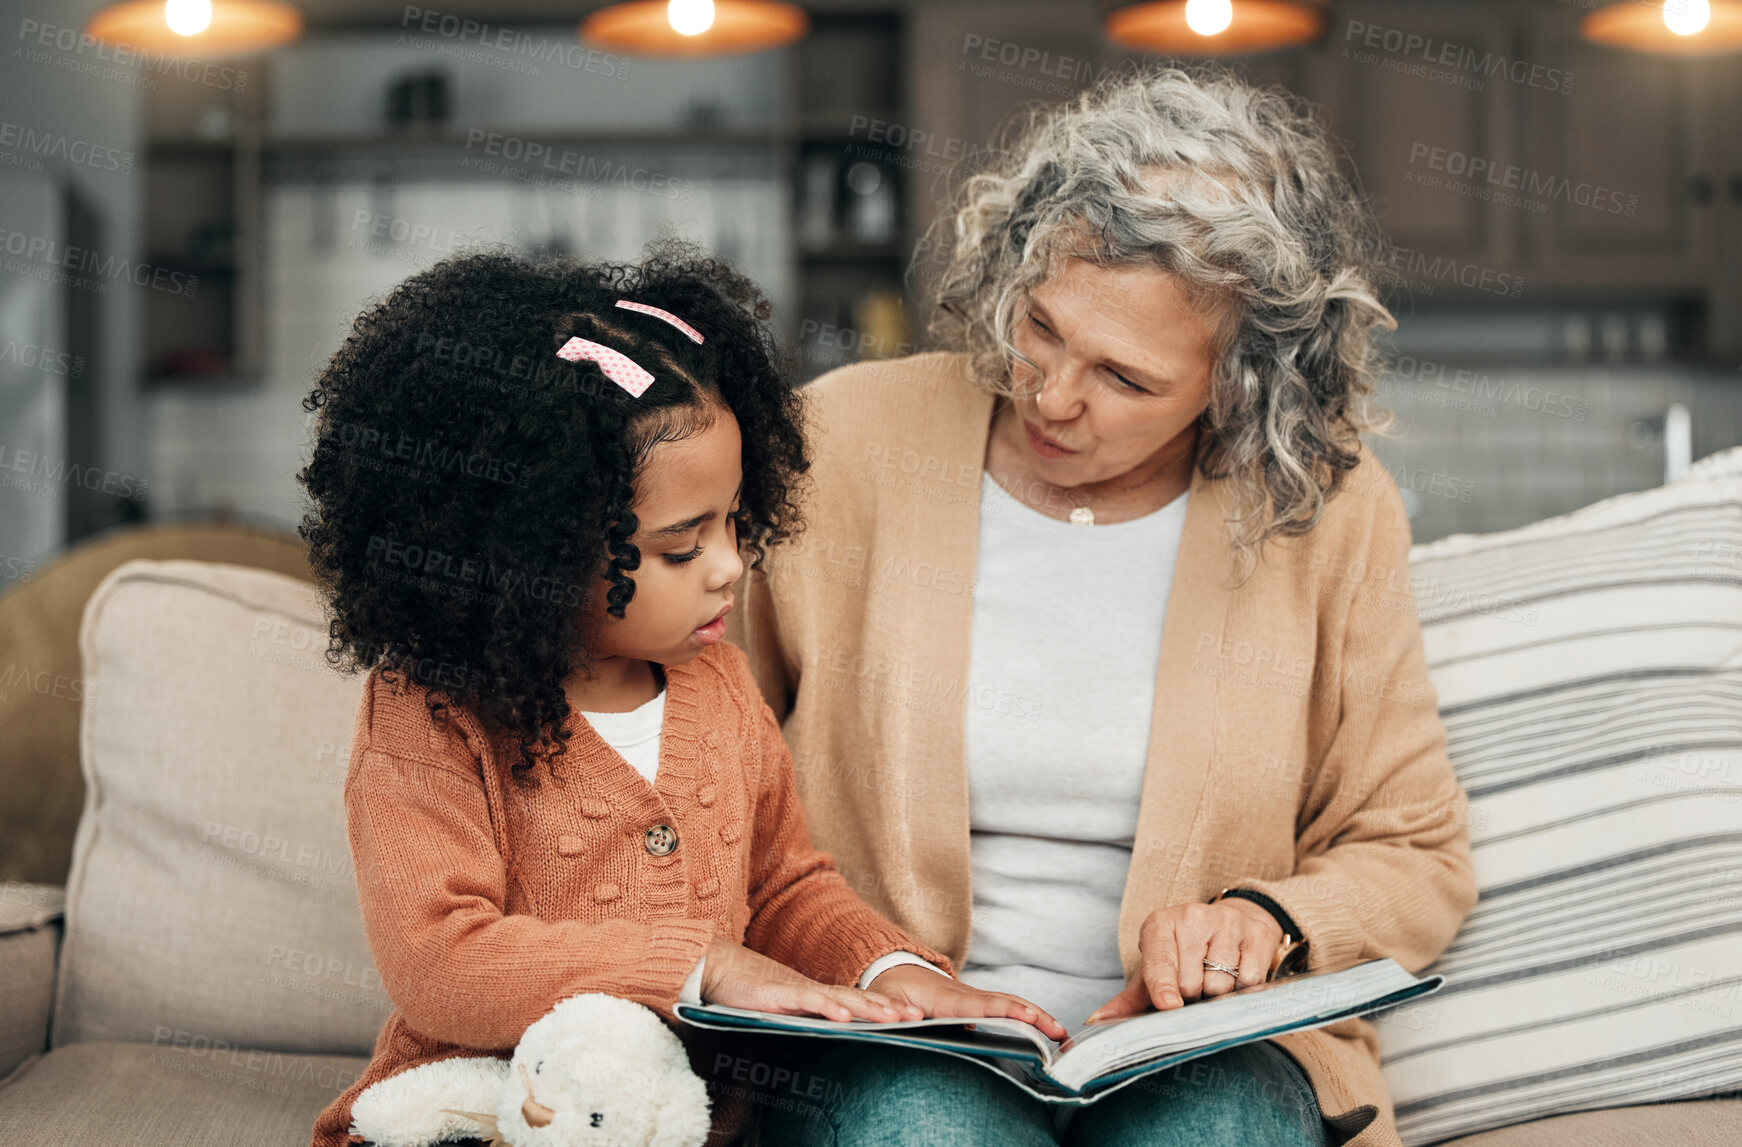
[[878, 1095]]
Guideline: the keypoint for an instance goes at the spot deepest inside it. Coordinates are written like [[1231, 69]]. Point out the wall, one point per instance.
[[71, 122]]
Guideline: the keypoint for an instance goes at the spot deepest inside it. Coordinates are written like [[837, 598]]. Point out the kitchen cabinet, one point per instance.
[[1510, 159], [1404, 87], [1632, 152]]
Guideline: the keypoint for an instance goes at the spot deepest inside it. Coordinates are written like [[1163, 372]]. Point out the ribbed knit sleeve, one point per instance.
[[1383, 851], [802, 911], [433, 885]]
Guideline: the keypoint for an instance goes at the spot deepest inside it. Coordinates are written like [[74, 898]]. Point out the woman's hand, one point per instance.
[[739, 978], [1176, 941], [939, 995]]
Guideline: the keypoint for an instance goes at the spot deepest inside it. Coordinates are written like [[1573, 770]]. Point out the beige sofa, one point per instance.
[[207, 980]]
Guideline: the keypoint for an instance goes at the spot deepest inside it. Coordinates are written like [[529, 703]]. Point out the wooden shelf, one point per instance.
[[729, 137], [848, 252], [850, 73]]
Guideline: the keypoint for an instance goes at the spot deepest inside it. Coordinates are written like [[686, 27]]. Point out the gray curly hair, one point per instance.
[[1235, 190]]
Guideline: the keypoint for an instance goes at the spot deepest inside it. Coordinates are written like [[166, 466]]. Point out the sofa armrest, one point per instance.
[[30, 932]]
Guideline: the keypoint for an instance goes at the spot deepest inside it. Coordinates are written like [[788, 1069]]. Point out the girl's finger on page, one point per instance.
[[897, 1009], [819, 1002], [1043, 1019], [1017, 1008], [1026, 1010], [906, 1008], [1000, 1004], [864, 1005]]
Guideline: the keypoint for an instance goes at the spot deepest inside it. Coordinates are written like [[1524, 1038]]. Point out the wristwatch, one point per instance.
[[1291, 954]]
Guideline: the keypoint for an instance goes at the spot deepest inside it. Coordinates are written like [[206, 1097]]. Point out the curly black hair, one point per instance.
[[471, 490]]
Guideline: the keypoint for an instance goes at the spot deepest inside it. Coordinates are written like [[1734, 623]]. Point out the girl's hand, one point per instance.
[[939, 995], [739, 978], [1176, 941]]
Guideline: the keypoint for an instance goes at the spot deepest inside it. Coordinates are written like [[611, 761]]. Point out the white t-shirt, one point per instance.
[[635, 734], [1065, 646]]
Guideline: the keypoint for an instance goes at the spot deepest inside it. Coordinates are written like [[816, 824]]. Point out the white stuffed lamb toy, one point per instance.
[[596, 1071]]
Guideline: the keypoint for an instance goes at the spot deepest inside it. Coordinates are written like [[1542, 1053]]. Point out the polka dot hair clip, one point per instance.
[[695, 335], [618, 367]]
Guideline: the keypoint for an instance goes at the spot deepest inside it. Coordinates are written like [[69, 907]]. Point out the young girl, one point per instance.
[[531, 482]]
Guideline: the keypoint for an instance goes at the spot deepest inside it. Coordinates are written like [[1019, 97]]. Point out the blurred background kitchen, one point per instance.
[[187, 225]]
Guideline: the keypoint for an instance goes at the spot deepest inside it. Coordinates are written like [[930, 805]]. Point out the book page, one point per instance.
[[1292, 1000], [1100, 1055], [988, 1035]]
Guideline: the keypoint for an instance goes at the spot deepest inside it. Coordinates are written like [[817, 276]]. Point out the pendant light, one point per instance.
[[1214, 27], [1675, 27], [209, 27], [694, 27]]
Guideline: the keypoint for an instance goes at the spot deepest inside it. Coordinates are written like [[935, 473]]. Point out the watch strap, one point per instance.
[[1291, 954], [1283, 919]]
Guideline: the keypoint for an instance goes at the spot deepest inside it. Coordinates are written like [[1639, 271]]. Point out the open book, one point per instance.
[[1105, 1056]]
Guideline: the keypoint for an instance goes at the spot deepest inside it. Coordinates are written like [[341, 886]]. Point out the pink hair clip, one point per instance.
[[694, 334], [618, 367]]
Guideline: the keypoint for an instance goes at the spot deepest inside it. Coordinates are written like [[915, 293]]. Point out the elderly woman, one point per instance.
[[1099, 661]]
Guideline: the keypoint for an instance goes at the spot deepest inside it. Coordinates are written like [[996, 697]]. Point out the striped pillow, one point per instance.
[[1589, 671]]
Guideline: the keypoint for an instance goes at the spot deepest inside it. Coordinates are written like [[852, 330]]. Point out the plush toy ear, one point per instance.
[[683, 1119], [488, 1128], [422, 1106]]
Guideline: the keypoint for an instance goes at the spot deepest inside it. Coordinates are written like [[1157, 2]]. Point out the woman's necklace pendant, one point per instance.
[[1083, 516]]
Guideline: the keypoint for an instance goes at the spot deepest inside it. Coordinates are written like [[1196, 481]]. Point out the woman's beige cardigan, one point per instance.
[[1295, 748]]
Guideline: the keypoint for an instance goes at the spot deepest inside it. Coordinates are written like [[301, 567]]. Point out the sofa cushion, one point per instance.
[[1696, 1123], [41, 792], [29, 944], [178, 1092], [1589, 671], [211, 890]]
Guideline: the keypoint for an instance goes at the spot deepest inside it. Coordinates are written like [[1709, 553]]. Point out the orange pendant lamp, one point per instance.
[[690, 28], [210, 27], [1674, 27], [1215, 27]]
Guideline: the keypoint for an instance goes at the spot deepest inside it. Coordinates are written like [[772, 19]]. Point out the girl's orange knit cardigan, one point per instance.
[[488, 897]]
